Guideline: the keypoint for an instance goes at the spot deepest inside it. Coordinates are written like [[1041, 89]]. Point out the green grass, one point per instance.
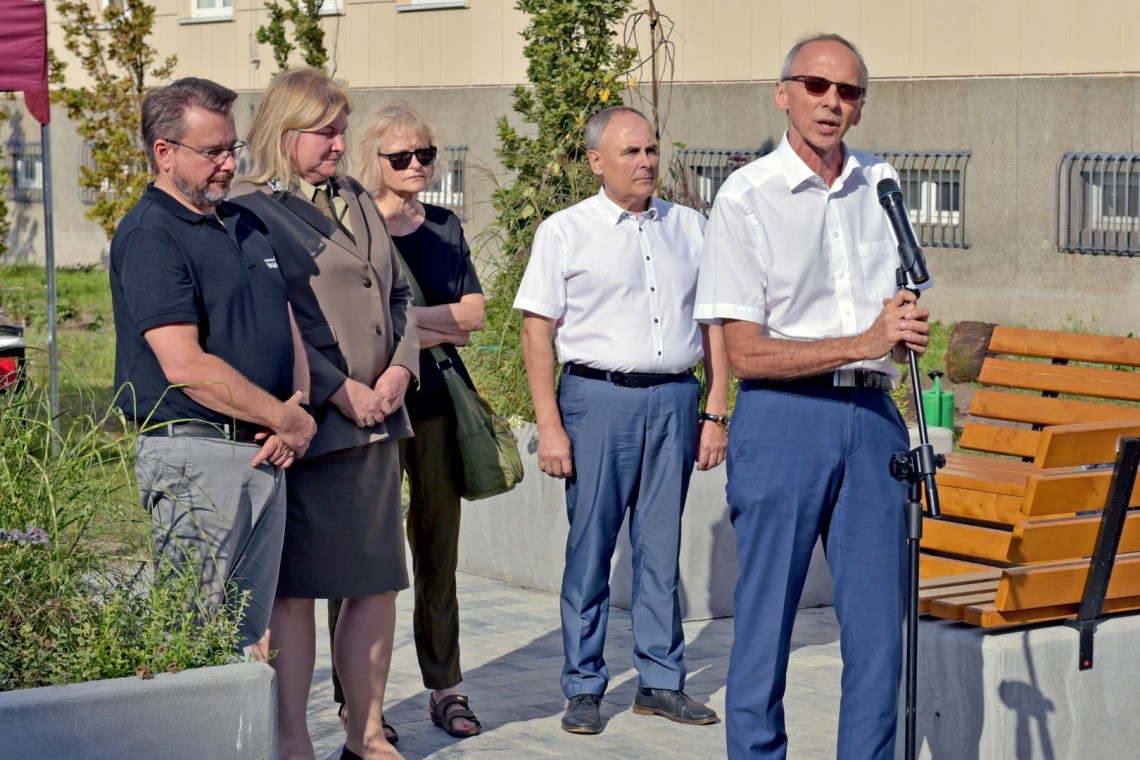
[[85, 331]]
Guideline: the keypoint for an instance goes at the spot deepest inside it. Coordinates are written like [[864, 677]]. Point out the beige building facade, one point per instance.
[[1014, 123]]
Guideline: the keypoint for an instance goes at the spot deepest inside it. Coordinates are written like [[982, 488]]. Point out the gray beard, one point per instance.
[[199, 197]]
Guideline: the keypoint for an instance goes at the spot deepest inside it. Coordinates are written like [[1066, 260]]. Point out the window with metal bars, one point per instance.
[[706, 169], [933, 184], [1098, 203], [26, 166], [446, 189]]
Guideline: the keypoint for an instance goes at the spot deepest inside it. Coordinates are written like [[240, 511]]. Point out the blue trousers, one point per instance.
[[806, 462], [634, 450]]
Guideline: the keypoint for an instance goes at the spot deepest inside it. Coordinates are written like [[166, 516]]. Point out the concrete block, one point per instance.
[[220, 712], [1018, 693]]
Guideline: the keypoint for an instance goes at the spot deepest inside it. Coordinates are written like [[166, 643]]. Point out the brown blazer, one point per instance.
[[351, 300]]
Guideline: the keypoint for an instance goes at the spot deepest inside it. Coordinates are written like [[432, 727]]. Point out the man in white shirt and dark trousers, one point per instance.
[[613, 279], [799, 264]]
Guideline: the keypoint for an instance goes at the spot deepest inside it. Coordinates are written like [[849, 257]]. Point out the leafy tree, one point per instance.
[[575, 64], [119, 62], [304, 15]]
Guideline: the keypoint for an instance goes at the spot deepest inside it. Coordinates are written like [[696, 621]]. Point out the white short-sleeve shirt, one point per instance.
[[621, 286], [804, 260]]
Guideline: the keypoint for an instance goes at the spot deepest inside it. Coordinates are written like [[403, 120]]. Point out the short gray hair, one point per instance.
[[790, 58], [164, 109], [596, 126], [388, 121]]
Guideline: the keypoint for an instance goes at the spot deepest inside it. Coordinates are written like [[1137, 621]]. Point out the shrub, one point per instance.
[[75, 602]]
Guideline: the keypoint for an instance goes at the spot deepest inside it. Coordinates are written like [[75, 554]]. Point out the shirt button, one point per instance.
[[379, 330], [842, 275], [835, 234], [656, 321], [366, 283], [653, 290]]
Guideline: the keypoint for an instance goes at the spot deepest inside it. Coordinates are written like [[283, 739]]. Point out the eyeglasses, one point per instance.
[[403, 159], [819, 86], [217, 155]]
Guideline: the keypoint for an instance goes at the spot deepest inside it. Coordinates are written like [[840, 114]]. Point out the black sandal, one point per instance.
[[445, 719], [389, 732]]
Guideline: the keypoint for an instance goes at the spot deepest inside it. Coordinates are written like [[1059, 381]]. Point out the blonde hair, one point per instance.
[[383, 124], [301, 99]]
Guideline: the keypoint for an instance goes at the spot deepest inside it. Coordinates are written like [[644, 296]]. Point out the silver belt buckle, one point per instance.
[[843, 378]]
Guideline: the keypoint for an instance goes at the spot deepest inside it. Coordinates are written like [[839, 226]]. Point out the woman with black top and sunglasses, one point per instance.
[[395, 158]]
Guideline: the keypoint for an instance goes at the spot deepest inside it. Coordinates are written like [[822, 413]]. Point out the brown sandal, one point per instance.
[[445, 719]]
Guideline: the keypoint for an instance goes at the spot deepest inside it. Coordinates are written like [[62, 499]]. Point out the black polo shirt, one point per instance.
[[170, 265]]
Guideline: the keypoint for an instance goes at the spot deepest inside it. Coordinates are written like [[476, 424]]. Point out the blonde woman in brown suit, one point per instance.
[[344, 533]]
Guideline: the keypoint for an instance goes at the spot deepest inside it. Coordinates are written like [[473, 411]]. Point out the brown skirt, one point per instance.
[[344, 531]]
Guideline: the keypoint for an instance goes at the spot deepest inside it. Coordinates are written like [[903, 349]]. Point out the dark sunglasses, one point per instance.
[[403, 159], [819, 86]]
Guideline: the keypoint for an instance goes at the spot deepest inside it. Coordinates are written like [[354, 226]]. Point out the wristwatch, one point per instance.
[[718, 419]]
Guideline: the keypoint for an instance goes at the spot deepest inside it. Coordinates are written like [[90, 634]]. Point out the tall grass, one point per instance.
[[74, 602]]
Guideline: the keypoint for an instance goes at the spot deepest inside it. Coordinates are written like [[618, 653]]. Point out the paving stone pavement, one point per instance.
[[512, 657]]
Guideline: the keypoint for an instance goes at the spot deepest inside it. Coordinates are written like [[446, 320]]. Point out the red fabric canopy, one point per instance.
[[23, 54]]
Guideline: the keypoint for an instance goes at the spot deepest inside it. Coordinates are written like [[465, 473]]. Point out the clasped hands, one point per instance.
[[367, 406]]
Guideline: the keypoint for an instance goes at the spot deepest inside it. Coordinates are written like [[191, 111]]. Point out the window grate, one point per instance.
[[706, 169], [933, 184], [26, 165], [1098, 203], [446, 189]]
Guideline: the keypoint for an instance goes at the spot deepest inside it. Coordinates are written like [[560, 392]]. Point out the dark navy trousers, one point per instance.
[[803, 462], [634, 451]]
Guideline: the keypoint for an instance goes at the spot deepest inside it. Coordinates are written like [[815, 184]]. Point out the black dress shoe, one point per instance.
[[582, 716], [674, 704]]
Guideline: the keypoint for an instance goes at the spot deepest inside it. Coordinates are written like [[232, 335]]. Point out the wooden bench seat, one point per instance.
[[1022, 502]]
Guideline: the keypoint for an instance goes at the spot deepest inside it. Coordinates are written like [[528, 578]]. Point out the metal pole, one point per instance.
[[49, 265]]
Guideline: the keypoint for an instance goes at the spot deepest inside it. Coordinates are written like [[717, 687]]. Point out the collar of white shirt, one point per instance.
[[799, 176], [615, 213]]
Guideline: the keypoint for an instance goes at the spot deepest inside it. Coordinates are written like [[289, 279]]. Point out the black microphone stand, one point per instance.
[[916, 467]]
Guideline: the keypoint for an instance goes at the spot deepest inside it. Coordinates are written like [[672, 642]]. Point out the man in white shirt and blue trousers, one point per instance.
[[613, 279], [800, 267]]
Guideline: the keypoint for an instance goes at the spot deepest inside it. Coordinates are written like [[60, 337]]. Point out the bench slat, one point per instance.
[[1050, 495], [979, 505], [1036, 410], [988, 616], [954, 608], [1057, 378], [1076, 347], [1066, 538], [1083, 443], [971, 541], [931, 566], [1062, 583], [980, 585], [1017, 442]]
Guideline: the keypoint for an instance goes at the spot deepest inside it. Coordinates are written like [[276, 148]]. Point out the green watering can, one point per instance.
[[937, 404]]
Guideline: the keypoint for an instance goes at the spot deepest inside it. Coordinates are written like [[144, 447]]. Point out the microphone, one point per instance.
[[910, 254]]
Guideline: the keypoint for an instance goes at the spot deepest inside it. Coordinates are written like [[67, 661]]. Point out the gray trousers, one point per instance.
[[212, 511]]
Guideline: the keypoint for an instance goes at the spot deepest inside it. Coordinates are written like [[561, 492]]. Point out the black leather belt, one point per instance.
[[840, 378], [235, 433], [624, 379]]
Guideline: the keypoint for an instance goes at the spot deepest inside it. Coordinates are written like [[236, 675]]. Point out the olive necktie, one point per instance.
[[322, 199]]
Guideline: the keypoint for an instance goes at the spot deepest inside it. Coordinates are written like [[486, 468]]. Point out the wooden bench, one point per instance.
[[1022, 515]]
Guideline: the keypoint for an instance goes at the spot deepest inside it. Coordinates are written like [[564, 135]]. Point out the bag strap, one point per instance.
[[442, 360]]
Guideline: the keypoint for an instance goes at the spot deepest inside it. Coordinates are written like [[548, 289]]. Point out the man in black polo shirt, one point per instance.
[[207, 357]]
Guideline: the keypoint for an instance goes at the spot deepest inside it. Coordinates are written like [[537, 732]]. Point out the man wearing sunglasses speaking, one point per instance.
[[206, 358], [613, 280], [799, 263]]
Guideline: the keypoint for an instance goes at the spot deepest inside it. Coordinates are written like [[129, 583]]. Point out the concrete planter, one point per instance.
[[521, 537], [228, 711]]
